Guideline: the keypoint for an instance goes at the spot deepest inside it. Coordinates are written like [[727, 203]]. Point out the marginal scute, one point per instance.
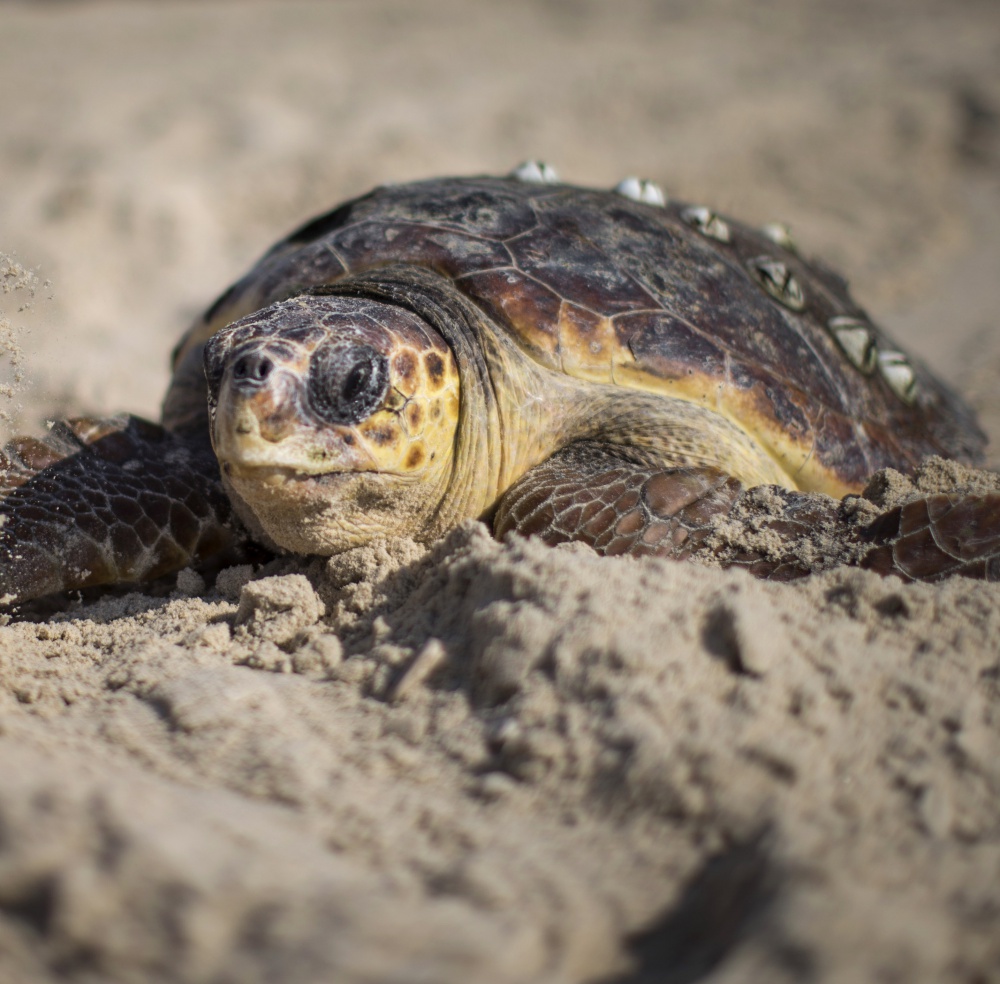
[[642, 190], [672, 351], [856, 341], [896, 370], [775, 277], [587, 342], [782, 410], [706, 222], [536, 172], [837, 437]]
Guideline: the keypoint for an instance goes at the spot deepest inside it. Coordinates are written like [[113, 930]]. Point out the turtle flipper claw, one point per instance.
[[115, 500]]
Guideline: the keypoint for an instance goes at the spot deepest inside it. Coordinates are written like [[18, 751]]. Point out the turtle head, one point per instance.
[[333, 419]]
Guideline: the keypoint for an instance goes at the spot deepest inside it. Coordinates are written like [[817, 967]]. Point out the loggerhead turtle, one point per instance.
[[602, 366]]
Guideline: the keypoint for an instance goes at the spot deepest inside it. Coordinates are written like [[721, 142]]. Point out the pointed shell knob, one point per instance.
[[775, 277], [536, 172], [641, 190], [856, 341], [706, 222], [896, 370]]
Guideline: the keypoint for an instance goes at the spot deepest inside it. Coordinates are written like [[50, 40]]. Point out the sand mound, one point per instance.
[[503, 762]]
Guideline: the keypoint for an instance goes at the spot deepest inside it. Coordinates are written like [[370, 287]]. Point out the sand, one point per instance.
[[482, 761]]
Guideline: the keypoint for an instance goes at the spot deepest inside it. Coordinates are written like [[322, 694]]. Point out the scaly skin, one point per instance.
[[106, 502]]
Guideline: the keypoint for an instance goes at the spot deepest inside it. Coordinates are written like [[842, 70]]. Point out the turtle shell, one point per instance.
[[660, 296]]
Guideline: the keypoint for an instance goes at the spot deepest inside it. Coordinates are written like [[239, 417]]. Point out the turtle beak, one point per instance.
[[259, 402], [261, 418]]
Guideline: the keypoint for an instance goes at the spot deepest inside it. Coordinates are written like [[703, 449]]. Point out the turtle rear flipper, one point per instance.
[[595, 494], [108, 501], [937, 536]]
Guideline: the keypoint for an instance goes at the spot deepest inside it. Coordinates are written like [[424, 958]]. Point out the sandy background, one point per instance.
[[495, 762]]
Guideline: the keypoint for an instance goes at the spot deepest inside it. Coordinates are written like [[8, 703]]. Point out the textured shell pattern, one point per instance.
[[661, 296]]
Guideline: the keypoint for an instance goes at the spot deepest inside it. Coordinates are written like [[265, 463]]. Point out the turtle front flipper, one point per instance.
[[593, 493], [109, 501], [597, 494]]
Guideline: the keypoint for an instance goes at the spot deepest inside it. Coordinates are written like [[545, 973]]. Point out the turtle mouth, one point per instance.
[[247, 450], [276, 476]]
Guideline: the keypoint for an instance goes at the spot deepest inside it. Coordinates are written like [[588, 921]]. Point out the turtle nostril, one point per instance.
[[252, 368]]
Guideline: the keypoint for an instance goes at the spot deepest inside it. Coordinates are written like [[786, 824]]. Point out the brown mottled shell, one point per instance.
[[613, 290]]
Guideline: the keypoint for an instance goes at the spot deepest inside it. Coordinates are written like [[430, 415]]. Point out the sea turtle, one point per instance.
[[603, 366]]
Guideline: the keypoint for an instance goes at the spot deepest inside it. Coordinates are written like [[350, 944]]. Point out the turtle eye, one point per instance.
[[347, 382], [356, 381]]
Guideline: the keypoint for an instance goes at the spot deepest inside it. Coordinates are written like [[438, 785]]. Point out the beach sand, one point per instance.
[[483, 761]]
